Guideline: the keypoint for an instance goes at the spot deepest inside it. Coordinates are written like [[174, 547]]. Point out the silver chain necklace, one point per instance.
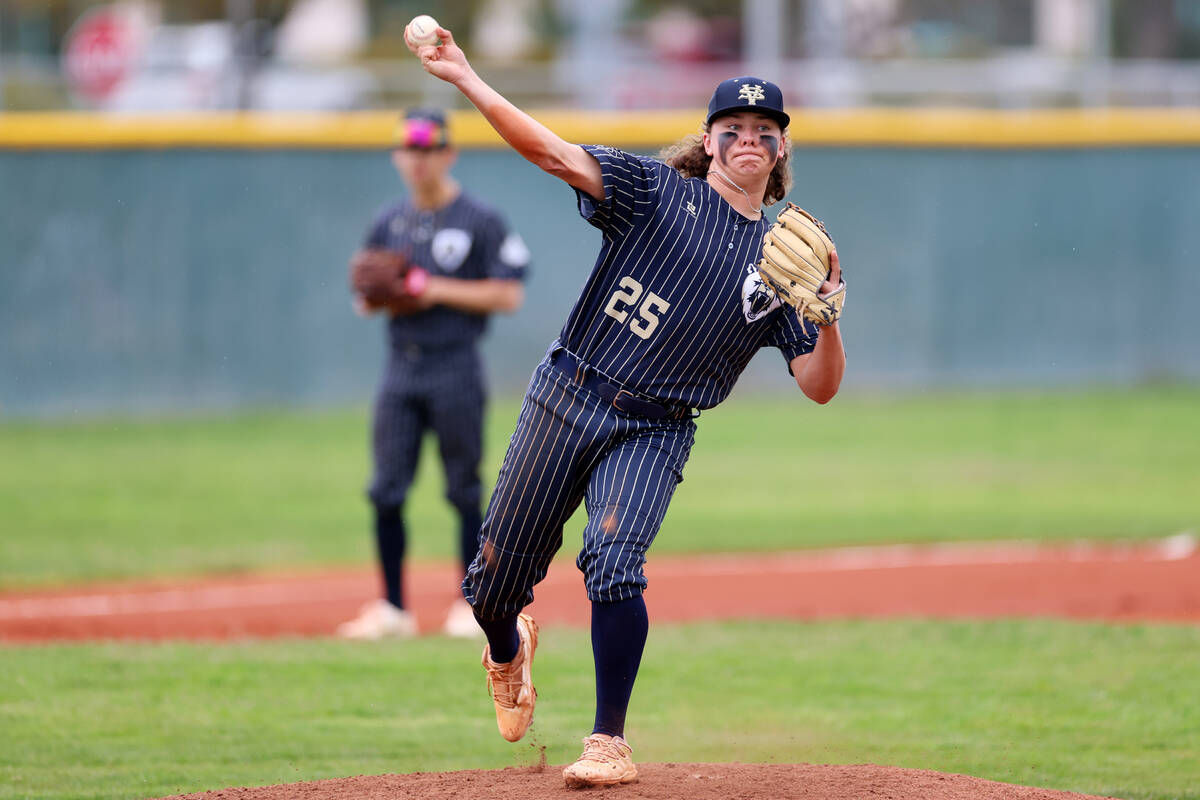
[[740, 189]]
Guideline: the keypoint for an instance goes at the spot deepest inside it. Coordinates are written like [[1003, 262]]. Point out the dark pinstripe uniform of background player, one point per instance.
[[434, 378], [669, 317]]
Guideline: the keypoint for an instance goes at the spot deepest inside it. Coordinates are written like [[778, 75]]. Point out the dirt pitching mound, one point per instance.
[[660, 782]]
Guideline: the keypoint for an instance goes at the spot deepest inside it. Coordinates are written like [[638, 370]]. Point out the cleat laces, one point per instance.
[[504, 681], [605, 751]]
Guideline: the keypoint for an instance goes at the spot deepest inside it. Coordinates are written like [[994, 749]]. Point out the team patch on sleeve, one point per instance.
[[513, 251]]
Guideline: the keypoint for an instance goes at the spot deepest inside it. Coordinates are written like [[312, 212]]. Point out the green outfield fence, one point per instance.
[[197, 262]]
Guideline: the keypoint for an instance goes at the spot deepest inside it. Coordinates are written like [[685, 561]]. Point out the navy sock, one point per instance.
[[469, 523], [390, 540], [619, 633], [503, 640]]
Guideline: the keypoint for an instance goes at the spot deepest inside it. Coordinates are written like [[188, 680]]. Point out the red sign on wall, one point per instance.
[[99, 52]]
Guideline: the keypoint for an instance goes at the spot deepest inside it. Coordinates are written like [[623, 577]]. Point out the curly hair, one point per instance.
[[688, 158]]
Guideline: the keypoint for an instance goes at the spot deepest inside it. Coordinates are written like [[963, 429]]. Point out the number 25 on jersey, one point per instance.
[[645, 319]]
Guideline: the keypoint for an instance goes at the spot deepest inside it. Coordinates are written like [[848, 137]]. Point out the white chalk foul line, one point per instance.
[[843, 559], [962, 554], [208, 598]]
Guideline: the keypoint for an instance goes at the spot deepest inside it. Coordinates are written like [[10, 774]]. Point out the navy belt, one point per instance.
[[621, 398]]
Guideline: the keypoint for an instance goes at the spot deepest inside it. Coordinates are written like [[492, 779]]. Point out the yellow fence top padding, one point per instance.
[[635, 130]]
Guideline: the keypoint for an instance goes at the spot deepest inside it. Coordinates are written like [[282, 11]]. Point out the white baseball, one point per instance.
[[423, 30]]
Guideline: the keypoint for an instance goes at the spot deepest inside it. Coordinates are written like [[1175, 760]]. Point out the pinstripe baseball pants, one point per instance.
[[571, 446], [439, 389]]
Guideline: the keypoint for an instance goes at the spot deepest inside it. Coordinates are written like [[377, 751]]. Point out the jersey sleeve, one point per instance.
[[792, 335], [629, 182], [504, 252]]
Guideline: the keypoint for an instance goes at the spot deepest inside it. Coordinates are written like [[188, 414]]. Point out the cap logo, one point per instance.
[[751, 93], [420, 133]]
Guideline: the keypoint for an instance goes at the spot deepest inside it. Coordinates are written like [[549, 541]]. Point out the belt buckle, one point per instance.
[[637, 406], [617, 397]]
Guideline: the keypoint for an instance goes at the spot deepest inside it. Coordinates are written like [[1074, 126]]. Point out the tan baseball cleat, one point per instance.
[[606, 760], [511, 684]]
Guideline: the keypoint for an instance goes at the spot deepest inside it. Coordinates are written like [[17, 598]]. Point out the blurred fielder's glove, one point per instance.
[[383, 278], [796, 261]]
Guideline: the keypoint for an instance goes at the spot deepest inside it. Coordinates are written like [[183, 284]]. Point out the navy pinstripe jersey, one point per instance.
[[674, 307], [466, 239]]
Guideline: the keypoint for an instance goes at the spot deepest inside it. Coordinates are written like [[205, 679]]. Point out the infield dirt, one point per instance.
[[1157, 581]]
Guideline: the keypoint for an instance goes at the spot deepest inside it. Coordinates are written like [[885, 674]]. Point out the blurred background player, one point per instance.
[[668, 319], [434, 378]]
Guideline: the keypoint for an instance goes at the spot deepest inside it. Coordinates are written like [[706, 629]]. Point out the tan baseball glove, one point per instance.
[[796, 261]]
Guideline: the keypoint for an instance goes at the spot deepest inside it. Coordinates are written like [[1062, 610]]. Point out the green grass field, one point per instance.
[[1102, 709], [1093, 708], [124, 498]]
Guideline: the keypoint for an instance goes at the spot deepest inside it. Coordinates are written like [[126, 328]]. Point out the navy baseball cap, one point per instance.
[[748, 94], [422, 129]]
